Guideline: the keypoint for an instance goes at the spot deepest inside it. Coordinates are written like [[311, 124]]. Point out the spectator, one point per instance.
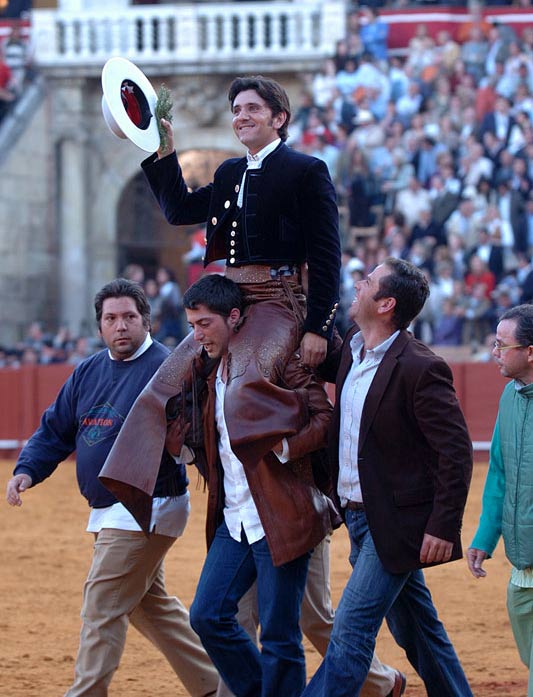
[[463, 222], [527, 289], [425, 160], [155, 300], [474, 165], [171, 311], [82, 350], [367, 133], [420, 51], [362, 191], [479, 274], [489, 249], [374, 33], [447, 51], [7, 94], [409, 103], [134, 272], [346, 78], [476, 310], [16, 58], [444, 195], [427, 229], [499, 121], [328, 153], [476, 19], [474, 53], [448, 329], [35, 336], [412, 200], [497, 50], [529, 222], [444, 280], [324, 83]]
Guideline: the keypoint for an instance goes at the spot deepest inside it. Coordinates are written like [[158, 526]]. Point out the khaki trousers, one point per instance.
[[126, 583], [316, 622]]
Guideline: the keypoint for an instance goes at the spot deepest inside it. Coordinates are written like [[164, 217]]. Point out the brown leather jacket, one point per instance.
[[294, 513]]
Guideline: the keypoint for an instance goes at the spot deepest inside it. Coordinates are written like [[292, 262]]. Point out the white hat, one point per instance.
[[363, 117], [355, 264], [128, 104]]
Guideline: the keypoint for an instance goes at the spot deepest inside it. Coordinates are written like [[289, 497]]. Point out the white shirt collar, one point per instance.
[[357, 344], [260, 156], [142, 348]]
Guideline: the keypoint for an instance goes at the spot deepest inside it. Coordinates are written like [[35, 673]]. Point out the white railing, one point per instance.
[[191, 34]]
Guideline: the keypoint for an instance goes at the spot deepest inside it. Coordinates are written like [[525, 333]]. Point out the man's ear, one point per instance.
[[386, 305], [234, 316], [279, 120]]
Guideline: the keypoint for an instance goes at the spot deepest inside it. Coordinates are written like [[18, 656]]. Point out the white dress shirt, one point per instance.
[[240, 511], [169, 514], [353, 396]]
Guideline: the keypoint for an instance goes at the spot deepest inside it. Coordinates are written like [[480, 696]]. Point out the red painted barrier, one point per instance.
[[26, 392], [403, 22]]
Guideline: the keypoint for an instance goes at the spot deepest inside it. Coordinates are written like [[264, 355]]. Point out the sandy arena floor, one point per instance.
[[45, 554]]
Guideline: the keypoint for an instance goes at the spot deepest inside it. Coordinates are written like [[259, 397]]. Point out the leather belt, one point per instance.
[[261, 273], [355, 506]]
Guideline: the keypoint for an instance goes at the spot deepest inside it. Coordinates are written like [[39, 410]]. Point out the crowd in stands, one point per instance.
[[431, 154], [40, 347], [15, 65]]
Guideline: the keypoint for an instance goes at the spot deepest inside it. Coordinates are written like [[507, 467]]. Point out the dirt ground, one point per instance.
[[45, 554]]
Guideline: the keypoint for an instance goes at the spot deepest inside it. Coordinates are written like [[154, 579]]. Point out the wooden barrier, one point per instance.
[[26, 392]]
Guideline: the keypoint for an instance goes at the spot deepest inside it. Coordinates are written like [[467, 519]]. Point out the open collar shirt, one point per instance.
[[353, 396], [240, 512]]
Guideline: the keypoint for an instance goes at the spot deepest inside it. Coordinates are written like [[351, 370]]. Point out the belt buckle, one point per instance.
[[282, 271]]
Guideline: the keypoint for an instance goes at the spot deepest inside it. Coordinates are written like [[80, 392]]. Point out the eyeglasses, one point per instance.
[[497, 346]]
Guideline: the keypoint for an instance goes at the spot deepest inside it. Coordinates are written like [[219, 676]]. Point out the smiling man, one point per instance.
[[126, 580], [402, 462], [508, 498]]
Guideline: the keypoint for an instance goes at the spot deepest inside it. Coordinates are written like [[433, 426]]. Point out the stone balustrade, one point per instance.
[[197, 37]]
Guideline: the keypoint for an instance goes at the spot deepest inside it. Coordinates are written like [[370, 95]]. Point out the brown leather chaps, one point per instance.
[[258, 410]]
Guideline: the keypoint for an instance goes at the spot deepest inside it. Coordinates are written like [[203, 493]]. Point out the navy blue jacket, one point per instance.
[[289, 216], [87, 415]]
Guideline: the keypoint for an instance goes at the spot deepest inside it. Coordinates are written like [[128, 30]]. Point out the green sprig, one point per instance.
[[163, 110]]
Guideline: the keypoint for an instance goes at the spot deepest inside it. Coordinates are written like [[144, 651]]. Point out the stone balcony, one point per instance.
[[200, 38]]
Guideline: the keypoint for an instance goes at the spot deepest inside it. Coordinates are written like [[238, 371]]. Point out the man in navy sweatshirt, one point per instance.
[[126, 580]]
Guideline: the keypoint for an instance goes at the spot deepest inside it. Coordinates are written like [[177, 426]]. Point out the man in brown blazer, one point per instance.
[[402, 462]]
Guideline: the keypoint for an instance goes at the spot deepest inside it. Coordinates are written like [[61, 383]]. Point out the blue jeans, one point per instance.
[[229, 570], [371, 594]]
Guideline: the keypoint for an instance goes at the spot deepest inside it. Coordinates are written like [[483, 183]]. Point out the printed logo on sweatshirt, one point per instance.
[[100, 422]]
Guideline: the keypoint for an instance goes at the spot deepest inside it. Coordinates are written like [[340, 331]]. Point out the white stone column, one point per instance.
[[73, 206], [74, 255]]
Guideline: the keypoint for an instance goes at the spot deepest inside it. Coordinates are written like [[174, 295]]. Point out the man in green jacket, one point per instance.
[[508, 495]]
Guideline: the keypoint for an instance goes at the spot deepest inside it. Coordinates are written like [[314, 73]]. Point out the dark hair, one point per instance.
[[218, 293], [410, 288], [523, 314], [122, 288], [269, 90]]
